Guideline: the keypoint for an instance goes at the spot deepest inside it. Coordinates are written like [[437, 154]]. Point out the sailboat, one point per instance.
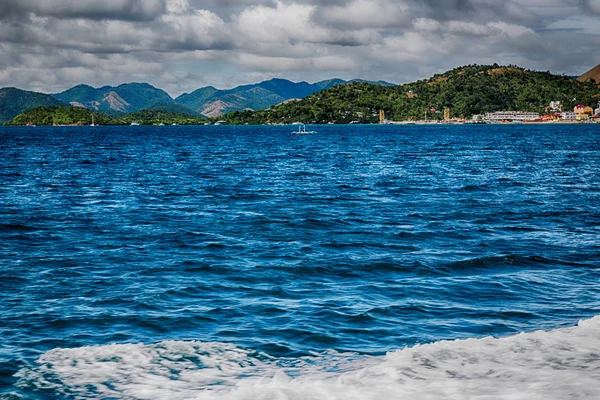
[[302, 130], [93, 121]]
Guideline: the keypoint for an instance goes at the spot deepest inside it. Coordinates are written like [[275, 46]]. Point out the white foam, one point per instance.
[[560, 364]]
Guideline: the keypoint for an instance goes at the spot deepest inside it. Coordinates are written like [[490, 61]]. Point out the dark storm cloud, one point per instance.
[[592, 6], [473, 10], [127, 10]]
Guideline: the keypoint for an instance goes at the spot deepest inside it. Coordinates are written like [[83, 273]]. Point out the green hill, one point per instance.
[[175, 108], [67, 115], [15, 101], [59, 115], [156, 117], [466, 91]]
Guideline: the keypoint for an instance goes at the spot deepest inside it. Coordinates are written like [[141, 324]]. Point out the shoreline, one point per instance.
[[421, 123]]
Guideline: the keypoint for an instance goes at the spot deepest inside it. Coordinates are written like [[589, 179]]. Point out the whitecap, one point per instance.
[[559, 364]]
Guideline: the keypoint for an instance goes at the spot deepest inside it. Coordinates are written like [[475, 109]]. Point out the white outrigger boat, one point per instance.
[[302, 130]]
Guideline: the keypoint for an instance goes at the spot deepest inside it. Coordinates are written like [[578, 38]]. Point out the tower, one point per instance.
[[446, 114], [382, 117]]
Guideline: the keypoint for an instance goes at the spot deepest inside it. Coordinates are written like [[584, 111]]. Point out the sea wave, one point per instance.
[[558, 364]]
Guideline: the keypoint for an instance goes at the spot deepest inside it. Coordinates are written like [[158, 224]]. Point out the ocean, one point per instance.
[[244, 262]]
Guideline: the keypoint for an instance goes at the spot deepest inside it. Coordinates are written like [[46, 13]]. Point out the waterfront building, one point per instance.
[[551, 117], [511, 116], [583, 112], [597, 111], [556, 106], [568, 116]]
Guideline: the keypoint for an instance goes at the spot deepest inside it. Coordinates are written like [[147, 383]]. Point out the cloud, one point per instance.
[[196, 30], [368, 13], [277, 64], [177, 44], [130, 10], [294, 23], [464, 28], [591, 6]]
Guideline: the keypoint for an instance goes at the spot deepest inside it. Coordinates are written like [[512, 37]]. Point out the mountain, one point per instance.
[[287, 89], [379, 83], [117, 101], [15, 101], [59, 115], [324, 85], [469, 90], [197, 98], [213, 103], [594, 74], [126, 98]]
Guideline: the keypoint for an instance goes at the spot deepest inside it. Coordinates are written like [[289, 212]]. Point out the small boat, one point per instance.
[[135, 124], [302, 130]]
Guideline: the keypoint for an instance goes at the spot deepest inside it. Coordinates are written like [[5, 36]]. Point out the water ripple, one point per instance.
[[310, 256]]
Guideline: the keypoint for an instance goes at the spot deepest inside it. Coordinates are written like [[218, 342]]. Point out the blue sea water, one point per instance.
[[363, 262]]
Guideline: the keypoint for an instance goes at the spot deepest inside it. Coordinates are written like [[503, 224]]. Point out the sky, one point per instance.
[[181, 45]]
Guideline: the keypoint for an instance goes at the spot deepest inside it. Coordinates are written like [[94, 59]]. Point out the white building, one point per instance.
[[512, 116], [597, 111], [555, 106], [568, 116]]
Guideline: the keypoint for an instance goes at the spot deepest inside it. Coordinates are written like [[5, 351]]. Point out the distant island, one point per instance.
[[208, 102], [78, 116], [460, 93]]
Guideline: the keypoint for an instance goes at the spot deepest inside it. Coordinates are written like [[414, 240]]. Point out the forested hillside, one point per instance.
[[66, 115], [60, 115], [14, 101], [466, 91]]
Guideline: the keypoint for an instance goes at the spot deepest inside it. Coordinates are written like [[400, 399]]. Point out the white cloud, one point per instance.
[[178, 6], [512, 30], [199, 30], [294, 22], [53, 45]]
